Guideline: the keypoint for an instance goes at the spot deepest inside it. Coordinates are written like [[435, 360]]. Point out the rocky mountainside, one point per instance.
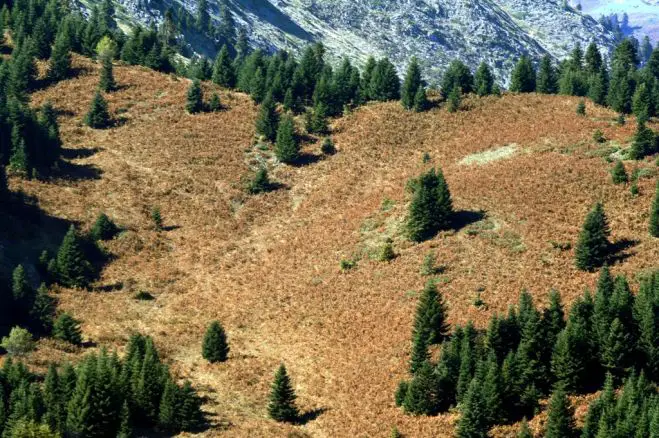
[[436, 31], [643, 14]]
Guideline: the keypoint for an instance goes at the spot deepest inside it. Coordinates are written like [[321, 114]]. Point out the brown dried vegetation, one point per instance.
[[267, 266]]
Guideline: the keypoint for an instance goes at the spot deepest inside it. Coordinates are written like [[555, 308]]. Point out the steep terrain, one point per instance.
[[436, 31], [643, 14], [267, 266]]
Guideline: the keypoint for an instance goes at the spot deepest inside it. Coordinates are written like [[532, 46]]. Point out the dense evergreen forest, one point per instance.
[[607, 339]]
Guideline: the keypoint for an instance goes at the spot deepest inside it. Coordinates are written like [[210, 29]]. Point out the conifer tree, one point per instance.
[[43, 311], [20, 287], [473, 421], [547, 81], [421, 394], [260, 182], [203, 21], [215, 105], [195, 98], [581, 108], [215, 347], [431, 207], [598, 86], [125, 429], [67, 328], [103, 228], [421, 102], [267, 121], [524, 431], [106, 82], [384, 84], [654, 214], [73, 269], [523, 76], [282, 398], [593, 245], [642, 102], [430, 319], [19, 161], [420, 354], [167, 415], [644, 143], [457, 76], [483, 80], [616, 351], [318, 123], [454, 100], [621, 89], [287, 147], [223, 71], [98, 116], [411, 84], [60, 60], [560, 422], [619, 174]]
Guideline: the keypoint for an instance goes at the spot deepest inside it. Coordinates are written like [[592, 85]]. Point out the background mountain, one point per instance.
[[643, 14], [436, 31]]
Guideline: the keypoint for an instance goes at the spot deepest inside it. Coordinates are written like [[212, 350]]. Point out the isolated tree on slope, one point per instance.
[[282, 398], [287, 147], [215, 347], [195, 102], [483, 80], [431, 207], [267, 121], [593, 244], [98, 116], [523, 76], [411, 84]]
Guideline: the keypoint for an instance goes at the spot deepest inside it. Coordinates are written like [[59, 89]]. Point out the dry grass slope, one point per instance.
[[268, 266]]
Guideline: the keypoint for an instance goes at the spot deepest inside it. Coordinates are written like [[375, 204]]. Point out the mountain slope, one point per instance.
[[436, 31], [267, 266]]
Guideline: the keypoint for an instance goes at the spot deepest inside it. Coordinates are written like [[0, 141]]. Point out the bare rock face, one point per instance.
[[436, 31]]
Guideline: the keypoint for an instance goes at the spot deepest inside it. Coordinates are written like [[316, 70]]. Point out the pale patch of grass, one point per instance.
[[488, 156]]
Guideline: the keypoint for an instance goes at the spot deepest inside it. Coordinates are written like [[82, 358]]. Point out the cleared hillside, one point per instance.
[[267, 266]]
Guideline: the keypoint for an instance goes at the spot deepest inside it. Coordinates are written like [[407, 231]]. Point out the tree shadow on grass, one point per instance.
[[307, 159], [77, 172], [618, 250], [310, 415], [464, 218], [72, 154]]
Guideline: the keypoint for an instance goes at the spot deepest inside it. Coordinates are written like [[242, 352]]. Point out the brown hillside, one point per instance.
[[267, 266]]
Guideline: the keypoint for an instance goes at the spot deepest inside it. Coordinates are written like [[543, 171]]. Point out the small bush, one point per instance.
[[619, 174], [328, 147], [143, 296], [19, 342], [386, 252], [581, 108], [634, 189], [620, 121], [428, 266], [215, 105], [156, 218], [103, 228], [347, 265], [260, 182], [598, 136]]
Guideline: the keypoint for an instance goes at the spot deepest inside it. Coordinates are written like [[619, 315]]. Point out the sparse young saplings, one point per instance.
[[215, 347], [593, 245], [282, 398]]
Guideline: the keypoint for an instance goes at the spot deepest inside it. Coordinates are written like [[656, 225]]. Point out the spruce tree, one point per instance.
[[411, 84], [106, 82], [215, 105], [223, 71], [195, 98], [643, 102], [430, 320], [420, 354], [167, 414], [581, 108], [385, 84], [473, 422], [260, 182], [421, 392], [457, 76], [103, 228], [619, 174], [125, 429], [547, 81], [282, 398], [19, 161], [73, 268], [483, 80], [644, 143], [523, 76], [560, 421], [215, 347], [287, 147], [267, 121], [421, 102], [454, 100], [67, 328], [617, 350], [20, 287], [43, 310], [60, 60], [98, 116], [593, 245], [431, 207], [654, 214]]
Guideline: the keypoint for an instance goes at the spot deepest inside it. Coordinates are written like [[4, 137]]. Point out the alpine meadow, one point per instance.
[[326, 219]]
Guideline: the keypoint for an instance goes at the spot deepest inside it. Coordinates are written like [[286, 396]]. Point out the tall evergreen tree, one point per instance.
[[67, 329], [431, 207], [282, 398], [421, 392], [523, 76], [195, 98], [644, 143], [73, 268], [560, 421], [98, 116], [654, 214], [421, 102], [215, 347], [473, 421], [223, 70], [430, 320], [593, 245], [203, 17], [483, 80], [411, 84], [287, 147], [547, 81], [457, 77], [106, 82], [385, 84], [267, 121], [60, 60]]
